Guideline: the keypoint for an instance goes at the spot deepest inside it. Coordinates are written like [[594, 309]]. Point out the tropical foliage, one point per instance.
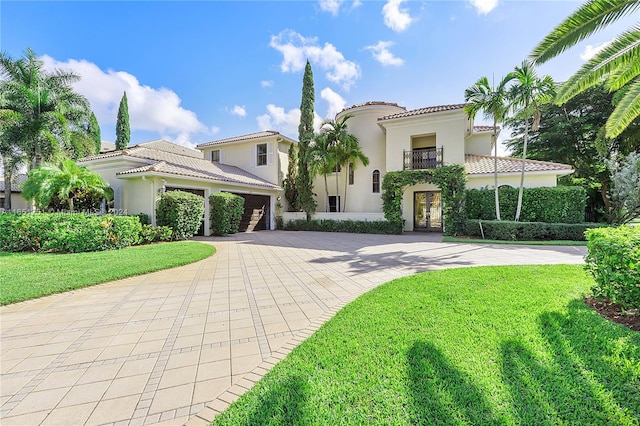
[[65, 180], [289, 183], [617, 63], [482, 96], [624, 192]]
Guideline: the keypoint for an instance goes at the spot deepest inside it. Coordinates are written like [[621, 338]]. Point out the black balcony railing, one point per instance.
[[423, 158]]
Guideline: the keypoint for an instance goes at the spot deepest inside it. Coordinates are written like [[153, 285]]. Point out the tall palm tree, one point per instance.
[[527, 94], [322, 159], [50, 116], [617, 64], [482, 96], [66, 181], [352, 154]]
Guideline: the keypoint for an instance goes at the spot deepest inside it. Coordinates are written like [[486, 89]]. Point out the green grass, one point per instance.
[[472, 346], [26, 276], [447, 239]]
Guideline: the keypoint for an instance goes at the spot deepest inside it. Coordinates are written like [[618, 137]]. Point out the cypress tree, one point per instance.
[[123, 131], [93, 130], [304, 186]]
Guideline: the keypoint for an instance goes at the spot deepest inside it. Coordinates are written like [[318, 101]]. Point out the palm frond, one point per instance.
[[587, 20], [626, 111]]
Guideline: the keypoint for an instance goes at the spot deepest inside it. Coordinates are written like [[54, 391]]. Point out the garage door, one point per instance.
[[256, 213]]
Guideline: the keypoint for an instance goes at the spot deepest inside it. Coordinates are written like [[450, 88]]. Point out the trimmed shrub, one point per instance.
[[144, 218], [153, 234], [613, 259], [182, 212], [527, 231], [68, 233], [562, 204], [225, 213], [354, 226]]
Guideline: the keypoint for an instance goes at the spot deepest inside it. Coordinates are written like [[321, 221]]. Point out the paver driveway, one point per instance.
[[177, 346]]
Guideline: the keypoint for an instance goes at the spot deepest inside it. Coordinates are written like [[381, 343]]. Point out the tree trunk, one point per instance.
[[524, 157], [495, 171], [7, 183], [337, 192], [326, 191]]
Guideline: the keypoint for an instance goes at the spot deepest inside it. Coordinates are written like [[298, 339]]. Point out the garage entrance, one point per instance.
[[199, 192], [256, 213]]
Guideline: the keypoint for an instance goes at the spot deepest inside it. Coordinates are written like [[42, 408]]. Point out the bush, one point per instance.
[[64, 232], [182, 212], [144, 218], [527, 231], [152, 234], [354, 226], [562, 204], [613, 259], [225, 212]]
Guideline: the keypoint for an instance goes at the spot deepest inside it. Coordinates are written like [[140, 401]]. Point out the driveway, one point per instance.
[[177, 346]]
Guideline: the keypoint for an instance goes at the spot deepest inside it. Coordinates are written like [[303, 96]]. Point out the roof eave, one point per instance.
[[192, 178]]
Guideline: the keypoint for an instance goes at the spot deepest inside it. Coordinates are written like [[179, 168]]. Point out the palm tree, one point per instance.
[[322, 159], [527, 94], [493, 103], [352, 155], [617, 64], [65, 181], [49, 115]]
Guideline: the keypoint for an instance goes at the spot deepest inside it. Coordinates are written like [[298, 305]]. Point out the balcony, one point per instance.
[[422, 159]]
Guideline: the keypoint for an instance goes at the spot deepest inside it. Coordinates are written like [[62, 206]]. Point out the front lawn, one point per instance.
[[473, 346], [26, 276]]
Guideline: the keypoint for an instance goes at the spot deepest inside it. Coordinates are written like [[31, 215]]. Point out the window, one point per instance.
[[334, 203], [261, 150], [215, 156], [337, 168], [351, 177], [376, 181]]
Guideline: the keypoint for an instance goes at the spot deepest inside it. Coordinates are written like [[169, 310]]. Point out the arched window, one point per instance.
[[376, 181]]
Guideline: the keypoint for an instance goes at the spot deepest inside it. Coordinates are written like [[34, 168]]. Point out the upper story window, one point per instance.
[[337, 168], [376, 180], [351, 174], [261, 154], [215, 156]]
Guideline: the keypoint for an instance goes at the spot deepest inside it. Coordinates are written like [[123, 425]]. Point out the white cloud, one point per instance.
[[591, 50], [266, 83], [334, 6], [396, 18], [240, 111], [335, 101], [381, 53], [484, 6], [296, 49], [280, 120], [150, 109]]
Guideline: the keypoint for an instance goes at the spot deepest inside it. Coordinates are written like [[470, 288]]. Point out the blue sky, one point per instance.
[[204, 70]]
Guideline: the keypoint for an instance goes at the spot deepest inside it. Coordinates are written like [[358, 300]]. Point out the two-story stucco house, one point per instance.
[[394, 138], [250, 166]]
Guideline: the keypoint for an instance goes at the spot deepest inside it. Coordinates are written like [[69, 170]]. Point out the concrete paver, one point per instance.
[[177, 346]]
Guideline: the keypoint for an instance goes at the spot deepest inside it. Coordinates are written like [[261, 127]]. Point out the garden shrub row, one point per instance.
[[182, 212], [526, 231], [613, 259], [354, 226], [69, 233], [562, 204], [225, 212]]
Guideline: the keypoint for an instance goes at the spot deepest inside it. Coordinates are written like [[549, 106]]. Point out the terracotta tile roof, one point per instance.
[[15, 185], [167, 162], [242, 138], [485, 128], [483, 164], [372, 103], [422, 111]]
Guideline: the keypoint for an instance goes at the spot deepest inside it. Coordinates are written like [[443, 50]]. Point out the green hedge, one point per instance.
[[562, 204], [182, 212], [613, 259], [225, 212], [153, 234], [527, 231], [354, 226], [64, 232]]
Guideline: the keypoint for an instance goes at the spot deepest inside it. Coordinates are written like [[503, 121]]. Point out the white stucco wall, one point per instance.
[[530, 180], [18, 203], [407, 202], [478, 143], [243, 155]]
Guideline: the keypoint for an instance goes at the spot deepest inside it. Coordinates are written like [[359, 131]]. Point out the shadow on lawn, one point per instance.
[[280, 403], [441, 393], [591, 377]]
